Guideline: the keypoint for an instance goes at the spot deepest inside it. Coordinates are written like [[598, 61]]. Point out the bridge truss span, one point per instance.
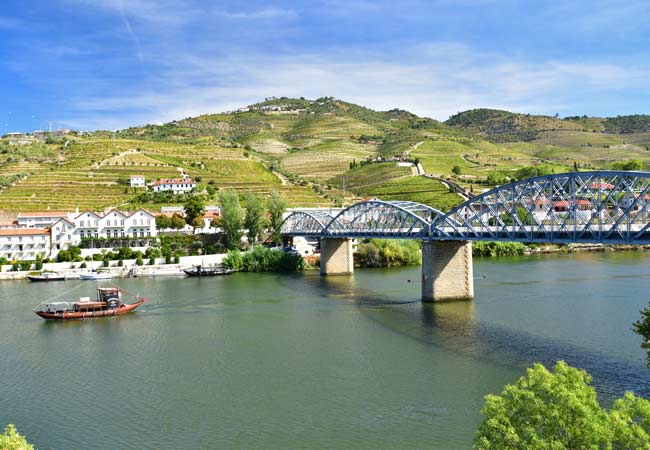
[[387, 219], [590, 207], [306, 223]]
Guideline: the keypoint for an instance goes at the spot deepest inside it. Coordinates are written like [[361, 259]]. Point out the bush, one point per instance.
[[83, 265], [152, 261], [120, 263], [139, 261], [492, 248], [388, 253], [262, 259]]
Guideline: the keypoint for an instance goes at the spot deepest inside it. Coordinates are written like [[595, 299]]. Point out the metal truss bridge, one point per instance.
[[592, 207]]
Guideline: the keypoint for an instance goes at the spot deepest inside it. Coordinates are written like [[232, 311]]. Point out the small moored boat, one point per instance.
[[46, 276], [108, 303], [201, 271], [95, 275]]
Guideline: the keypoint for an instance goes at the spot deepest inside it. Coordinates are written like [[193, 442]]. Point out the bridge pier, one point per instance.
[[336, 256], [447, 272]]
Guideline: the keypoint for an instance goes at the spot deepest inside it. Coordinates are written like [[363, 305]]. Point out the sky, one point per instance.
[[111, 64]]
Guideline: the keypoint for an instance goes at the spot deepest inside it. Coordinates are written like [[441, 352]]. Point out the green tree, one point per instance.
[[12, 440], [177, 221], [276, 206], [642, 328], [559, 410], [194, 208], [254, 219], [456, 170], [163, 222], [231, 217]]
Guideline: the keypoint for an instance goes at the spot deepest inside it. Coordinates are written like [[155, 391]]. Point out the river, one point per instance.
[[303, 362]]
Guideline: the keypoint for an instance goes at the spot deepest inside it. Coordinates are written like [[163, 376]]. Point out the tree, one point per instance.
[[231, 217], [177, 221], [254, 219], [642, 328], [12, 440], [559, 410], [163, 222], [276, 206], [193, 208], [456, 170]]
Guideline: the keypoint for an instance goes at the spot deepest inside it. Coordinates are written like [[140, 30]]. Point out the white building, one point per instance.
[[175, 185], [113, 224], [138, 181], [24, 243], [40, 219]]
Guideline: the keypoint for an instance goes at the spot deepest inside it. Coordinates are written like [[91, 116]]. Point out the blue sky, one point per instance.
[[107, 64]]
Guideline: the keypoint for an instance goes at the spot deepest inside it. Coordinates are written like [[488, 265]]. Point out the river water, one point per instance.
[[302, 362]]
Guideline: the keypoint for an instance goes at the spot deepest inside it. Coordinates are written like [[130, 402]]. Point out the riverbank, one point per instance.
[[128, 269]]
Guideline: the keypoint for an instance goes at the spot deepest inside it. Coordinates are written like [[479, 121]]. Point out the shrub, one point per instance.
[[262, 259], [387, 253], [492, 248], [139, 261], [83, 266]]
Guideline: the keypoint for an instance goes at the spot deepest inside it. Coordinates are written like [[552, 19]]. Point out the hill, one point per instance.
[[306, 148]]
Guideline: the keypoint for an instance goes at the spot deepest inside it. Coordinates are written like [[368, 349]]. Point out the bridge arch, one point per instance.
[[306, 223], [379, 218], [590, 207]]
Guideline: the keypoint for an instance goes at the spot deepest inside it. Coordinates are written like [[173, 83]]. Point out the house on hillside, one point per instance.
[[174, 185], [137, 181]]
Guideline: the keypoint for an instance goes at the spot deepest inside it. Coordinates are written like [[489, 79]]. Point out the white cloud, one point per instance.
[[258, 14], [434, 86]]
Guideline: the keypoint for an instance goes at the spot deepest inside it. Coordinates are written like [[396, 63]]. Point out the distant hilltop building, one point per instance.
[[175, 185]]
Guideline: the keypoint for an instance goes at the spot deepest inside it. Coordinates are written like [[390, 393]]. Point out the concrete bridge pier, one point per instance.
[[336, 256], [447, 272]]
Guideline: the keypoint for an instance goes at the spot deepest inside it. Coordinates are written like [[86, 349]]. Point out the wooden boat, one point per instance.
[[108, 303], [46, 276], [200, 271]]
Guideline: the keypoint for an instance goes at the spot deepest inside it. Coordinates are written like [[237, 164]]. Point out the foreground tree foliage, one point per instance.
[[642, 328], [558, 410], [12, 440]]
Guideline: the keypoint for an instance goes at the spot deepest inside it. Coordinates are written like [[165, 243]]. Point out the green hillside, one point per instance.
[[306, 148]]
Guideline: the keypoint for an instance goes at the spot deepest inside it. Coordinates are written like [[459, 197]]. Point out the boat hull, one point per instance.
[[207, 272], [72, 315], [38, 278], [92, 277]]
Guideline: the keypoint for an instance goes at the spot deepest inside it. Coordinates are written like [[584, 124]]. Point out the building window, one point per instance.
[[82, 234]]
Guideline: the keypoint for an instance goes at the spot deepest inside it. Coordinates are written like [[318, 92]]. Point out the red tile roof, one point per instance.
[[24, 232], [44, 214], [173, 181]]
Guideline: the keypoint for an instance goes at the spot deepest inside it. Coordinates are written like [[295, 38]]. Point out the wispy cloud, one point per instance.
[[258, 14], [435, 87]]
